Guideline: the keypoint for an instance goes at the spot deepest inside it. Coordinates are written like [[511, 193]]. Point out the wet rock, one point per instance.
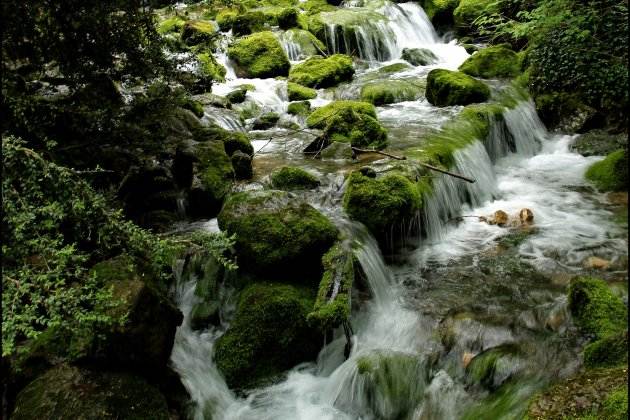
[[599, 143], [492, 367], [499, 218], [210, 99], [567, 113], [277, 233], [237, 96], [337, 151], [269, 334], [204, 314], [392, 91], [266, 121], [196, 31], [447, 88], [299, 93], [242, 164], [418, 56], [213, 176], [596, 263], [367, 171], [67, 392], [302, 108]]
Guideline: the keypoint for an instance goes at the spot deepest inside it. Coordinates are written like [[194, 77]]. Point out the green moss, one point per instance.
[[319, 72], [332, 306], [349, 122], [313, 7], [302, 108], [237, 96], [390, 383], [440, 11], [210, 67], [298, 93], [67, 392], [215, 169], [309, 44], [225, 18], [259, 55], [237, 141], [616, 405], [610, 174], [277, 233], [484, 368], [446, 88], [392, 91], [195, 107], [288, 18], [292, 178], [393, 68], [418, 56], [172, 24], [268, 335], [490, 62], [472, 124], [609, 351], [247, 23], [469, 10], [266, 121], [381, 203], [595, 308], [197, 31]]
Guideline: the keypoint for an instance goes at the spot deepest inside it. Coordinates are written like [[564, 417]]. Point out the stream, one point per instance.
[[460, 289]]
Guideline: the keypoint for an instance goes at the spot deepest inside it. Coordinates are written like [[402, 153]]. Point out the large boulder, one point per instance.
[[259, 55], [381, 203], [349, 122], [497, 61], [392, 91], [319, 72], [247, 23], [268, 335], [68, 392], [276, 233], [197, 31], [213, 176], [447, 88]]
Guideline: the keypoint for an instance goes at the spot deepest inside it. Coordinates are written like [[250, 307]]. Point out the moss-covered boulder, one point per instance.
[[610, 174], [266, 121], [292, 178], [609, 351], [234, 140], [277, 233], [197, 31], [381, 203], [225, 18], [259, 55], [319, 72], [242, 164], [599, 143], [392, 91], [596, 310], [447, 88], [302, 108], [248, 23], [419, 56], [237, 96], [497, 61], [213, 177], [68, 392], [288, 18], [440, 11], [269, 335], [209, 66], [332, 306], [591, 394], [349, 122], [299, 93]]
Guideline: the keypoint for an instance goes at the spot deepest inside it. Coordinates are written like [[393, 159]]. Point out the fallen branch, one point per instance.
[[426, 165]]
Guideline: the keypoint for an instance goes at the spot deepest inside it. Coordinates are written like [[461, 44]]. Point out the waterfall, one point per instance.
[[525, 127]]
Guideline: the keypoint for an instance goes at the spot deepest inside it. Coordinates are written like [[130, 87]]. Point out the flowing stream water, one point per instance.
[[455, 291]]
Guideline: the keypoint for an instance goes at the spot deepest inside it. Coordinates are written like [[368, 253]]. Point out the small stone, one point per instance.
[[467, 358], [596, 263]]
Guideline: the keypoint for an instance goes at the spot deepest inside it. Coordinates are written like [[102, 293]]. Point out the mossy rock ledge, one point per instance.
[[259, 55], [447, 88], [268, 335], [349, 122], [68, 392], [277, 234]]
